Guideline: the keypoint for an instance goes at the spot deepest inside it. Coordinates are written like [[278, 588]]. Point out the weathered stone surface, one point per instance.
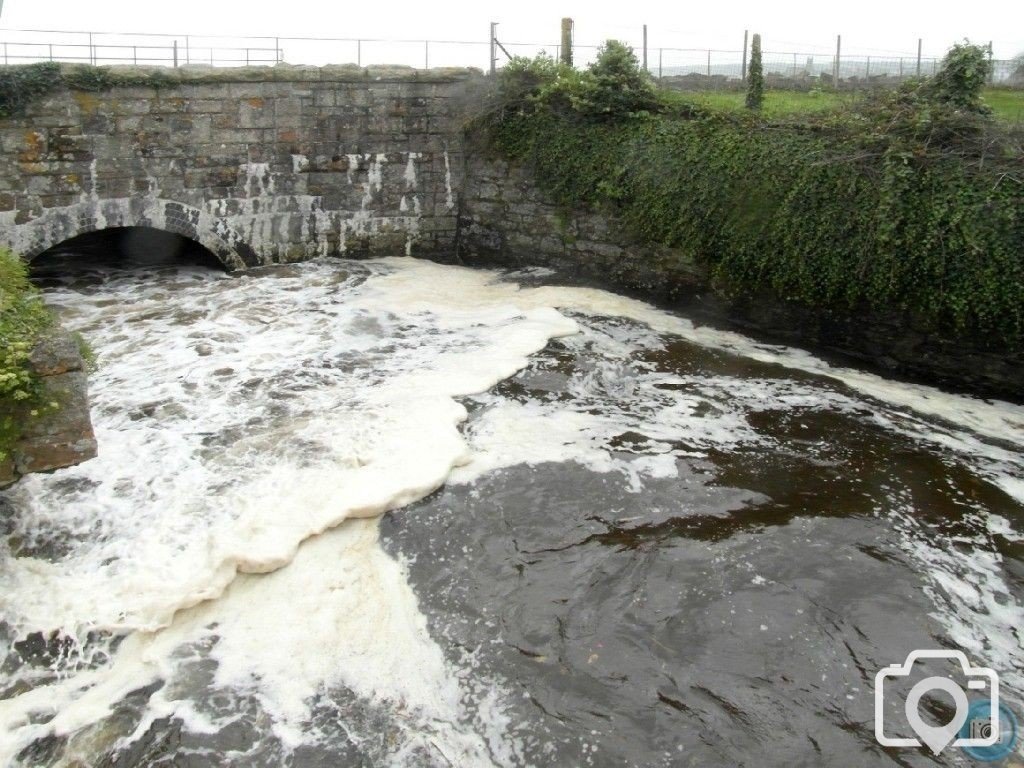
[[56, 437], [227, 157], [56, 354]]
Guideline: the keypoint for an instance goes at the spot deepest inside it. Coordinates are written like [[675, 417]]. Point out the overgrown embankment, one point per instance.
[[914, 202], [23, 321], [44, 408]]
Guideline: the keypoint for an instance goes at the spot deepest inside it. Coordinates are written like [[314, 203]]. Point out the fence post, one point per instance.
[[743, 66], [901, 67], [645, 49], [919, 56], [709, 63], [426, 54], [5, 54], [278, 58], [835, 68], [175, 54], [566, 51], [794, 65], [867, 69], [359, 53], [188, 51], [659, 63], [92, 52], [494, 52], [51, 51]]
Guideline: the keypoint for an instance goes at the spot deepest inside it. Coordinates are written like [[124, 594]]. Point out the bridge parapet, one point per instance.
[[258, 164]]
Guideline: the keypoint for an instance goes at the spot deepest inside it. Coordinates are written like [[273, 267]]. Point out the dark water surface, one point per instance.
[[733, 615], [654, 552]]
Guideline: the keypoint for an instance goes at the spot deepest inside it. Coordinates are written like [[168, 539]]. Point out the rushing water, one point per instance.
[[612, 538]]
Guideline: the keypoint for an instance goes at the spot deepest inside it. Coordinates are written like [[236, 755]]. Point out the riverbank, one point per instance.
[[509, 222], [891, 234], [44, 408]]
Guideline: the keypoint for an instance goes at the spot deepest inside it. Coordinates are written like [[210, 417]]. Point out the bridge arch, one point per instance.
[[56, 225]]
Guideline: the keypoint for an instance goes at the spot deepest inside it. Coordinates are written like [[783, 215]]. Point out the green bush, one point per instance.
[[614, 86], [23, 317], [965, 72], [922, 214], [755, 76]]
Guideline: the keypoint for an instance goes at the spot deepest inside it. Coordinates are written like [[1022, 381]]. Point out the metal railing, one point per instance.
[[700, 67], [165, 49], [160, 55]]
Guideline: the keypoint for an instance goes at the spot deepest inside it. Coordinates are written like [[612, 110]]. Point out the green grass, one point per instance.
[[1007, 105], [776, 103]]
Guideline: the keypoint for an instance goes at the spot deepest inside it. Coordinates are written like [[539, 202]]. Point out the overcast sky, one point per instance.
[[874, 27]]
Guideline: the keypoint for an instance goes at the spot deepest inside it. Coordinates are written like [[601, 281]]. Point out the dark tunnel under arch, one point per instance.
[[134, 247]]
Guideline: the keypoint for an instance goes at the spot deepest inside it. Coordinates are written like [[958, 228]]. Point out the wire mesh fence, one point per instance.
[[689, 68]]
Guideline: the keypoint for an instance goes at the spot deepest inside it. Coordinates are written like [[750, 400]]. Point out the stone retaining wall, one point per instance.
[[62, 436], [505, 220], [258, 164]]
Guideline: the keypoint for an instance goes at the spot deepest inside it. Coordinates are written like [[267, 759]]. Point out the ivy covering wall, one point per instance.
[[913, 201]]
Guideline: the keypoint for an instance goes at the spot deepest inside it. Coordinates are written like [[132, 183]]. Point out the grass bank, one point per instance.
[[1007, 105]]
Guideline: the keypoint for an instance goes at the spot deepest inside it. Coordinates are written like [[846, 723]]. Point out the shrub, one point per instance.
[[755, 76], [614, 86], [964, 73], [22, 319]]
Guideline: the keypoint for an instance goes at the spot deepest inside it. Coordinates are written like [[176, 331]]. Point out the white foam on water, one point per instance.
[[340, 615], [240, 417], [974, 427], [679, 416]]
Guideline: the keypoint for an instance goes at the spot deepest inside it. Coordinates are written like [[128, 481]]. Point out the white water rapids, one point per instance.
[[243, 419]]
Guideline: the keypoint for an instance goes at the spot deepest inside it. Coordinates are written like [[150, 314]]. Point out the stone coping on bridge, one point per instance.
[[191, 74]]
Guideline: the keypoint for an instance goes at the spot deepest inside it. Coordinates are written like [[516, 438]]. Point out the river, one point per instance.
[[392, 512]]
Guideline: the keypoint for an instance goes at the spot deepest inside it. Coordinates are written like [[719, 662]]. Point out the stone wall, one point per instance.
[[62, 436], [505, 220], [259, 165]]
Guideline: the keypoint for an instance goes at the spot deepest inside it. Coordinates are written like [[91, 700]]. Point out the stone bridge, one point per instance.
[[259, 165]]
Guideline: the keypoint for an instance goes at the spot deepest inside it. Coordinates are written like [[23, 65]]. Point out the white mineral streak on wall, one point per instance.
[[411, 185], [449, 198], [323, 224], [262, 218], [353, 162], [410, 171], [93, 197]]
